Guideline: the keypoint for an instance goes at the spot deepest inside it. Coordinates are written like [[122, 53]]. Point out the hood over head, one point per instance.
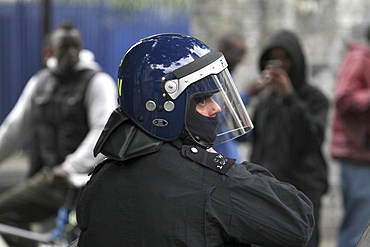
[[291, 44]]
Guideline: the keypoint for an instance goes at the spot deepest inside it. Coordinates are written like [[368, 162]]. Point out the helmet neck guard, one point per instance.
[[122, 140]]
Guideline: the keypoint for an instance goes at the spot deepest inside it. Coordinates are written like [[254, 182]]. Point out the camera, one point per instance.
[[273, 62]]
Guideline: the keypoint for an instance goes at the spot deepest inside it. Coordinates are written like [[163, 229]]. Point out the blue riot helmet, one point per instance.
[[163, 77]]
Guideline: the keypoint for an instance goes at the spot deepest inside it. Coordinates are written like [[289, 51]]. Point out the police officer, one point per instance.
[[163, 184]]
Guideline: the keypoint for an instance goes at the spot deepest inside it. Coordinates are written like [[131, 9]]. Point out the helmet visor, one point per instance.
[[215, 112]]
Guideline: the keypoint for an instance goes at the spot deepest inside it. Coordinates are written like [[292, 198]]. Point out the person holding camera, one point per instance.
[[290, 121]]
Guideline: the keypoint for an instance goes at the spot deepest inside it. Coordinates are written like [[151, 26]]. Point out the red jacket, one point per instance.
[[351, 125]]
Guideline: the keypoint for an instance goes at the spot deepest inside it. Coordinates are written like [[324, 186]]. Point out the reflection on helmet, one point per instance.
[[161, 75]]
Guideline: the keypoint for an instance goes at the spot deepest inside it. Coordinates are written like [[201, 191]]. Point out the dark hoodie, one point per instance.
[[289, 132]]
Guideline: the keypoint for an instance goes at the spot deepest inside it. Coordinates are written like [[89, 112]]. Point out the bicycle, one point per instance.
[[66, 230]]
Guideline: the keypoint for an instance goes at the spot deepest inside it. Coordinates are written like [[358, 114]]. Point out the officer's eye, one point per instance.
[[201, 99]]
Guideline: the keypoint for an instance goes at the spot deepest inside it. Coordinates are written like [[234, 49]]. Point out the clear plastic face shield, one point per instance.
[[215, 112]]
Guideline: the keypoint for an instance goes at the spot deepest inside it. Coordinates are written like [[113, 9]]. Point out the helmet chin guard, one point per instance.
[[161, 74]]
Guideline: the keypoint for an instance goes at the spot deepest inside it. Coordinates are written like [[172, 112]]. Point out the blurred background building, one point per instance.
[[110, 27]]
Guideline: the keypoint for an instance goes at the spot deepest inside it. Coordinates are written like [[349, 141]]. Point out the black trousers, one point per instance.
[[34, 200]]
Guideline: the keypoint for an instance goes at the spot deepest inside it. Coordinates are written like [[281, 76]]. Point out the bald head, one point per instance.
[[66, 43], [234, 49]]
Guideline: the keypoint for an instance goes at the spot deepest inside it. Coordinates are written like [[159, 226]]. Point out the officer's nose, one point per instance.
[[214, 108]]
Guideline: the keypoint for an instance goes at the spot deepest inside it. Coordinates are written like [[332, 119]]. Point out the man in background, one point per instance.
[[232, 46], [290, 122], [351, 139], [62, 109]]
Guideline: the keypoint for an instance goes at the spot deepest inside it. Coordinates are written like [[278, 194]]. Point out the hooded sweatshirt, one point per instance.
[[289, 132]]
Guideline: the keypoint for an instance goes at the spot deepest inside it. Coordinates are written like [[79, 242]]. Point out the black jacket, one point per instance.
[[288, 134], [171, 194]]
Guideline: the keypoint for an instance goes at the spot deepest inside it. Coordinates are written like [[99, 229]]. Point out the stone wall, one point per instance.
[[324, 26]]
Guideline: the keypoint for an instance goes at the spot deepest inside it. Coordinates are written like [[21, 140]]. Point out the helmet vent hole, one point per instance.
[[160, 108]]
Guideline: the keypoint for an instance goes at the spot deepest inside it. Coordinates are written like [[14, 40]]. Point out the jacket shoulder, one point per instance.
[[213, 161]]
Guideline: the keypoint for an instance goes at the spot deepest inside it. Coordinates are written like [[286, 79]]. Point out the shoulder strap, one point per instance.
[[214, 161]]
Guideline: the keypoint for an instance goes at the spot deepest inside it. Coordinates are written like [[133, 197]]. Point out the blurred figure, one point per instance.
[[290, 122], [63, 109], [351, 139], [233, 47]]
